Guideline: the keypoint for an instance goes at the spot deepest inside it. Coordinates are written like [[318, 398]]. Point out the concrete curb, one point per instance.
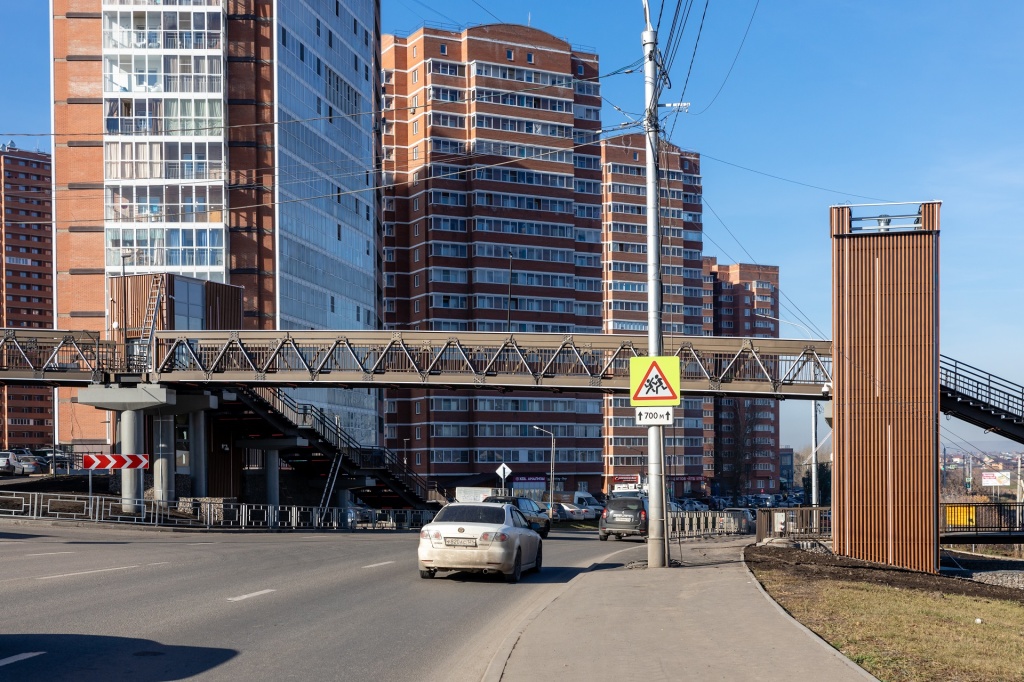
[[810, 633], [72, 523], [496, 666]]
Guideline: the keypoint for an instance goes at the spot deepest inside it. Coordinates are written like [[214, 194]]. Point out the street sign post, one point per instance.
[[654, 381], [115, 461], [654, 416], [503, 471]]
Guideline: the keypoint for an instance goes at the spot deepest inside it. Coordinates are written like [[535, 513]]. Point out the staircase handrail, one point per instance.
[[303, 414], [981, 385]]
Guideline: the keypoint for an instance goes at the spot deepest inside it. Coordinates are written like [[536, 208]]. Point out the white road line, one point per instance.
[[159, 563], [98, 570], [20, 657], [49, 553], [200, 543], [253, 594], [383, 563]]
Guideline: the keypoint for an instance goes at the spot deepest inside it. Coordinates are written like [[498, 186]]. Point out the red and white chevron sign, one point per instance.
[[115, 461]]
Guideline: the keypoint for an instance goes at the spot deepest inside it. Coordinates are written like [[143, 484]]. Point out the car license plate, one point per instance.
[[624, 517], [460, 542]]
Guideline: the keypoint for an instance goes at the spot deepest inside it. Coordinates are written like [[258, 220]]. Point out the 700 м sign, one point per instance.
[[654, 416]]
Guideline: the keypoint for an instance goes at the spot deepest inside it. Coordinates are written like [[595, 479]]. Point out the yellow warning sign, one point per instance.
[[654, 382]]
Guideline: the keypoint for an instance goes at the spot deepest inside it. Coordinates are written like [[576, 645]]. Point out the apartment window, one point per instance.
[[529, 58], [415, 127], [416, 76], [415, 306], [415, 255], [418, 406], [413, 50], [636, 156], [510, 55], [418, 433], [416, 204], [415, 153], [416, 283], [579, 69], [444, 48]]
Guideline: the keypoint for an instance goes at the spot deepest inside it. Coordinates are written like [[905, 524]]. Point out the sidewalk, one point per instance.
[[706, 620]]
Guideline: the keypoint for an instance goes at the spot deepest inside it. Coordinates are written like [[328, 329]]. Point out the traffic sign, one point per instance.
[[654, 381], [115, 461], [503, 470], [654, 416]]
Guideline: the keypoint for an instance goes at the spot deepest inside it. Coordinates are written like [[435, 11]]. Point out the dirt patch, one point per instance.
[[899, 625], [814, 566], [78, 485]]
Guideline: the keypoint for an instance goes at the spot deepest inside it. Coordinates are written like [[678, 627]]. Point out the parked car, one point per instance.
[[624, 516], [480, 537], [43, 463], [575, 513], [747, 518], [559, 513], [7, 463], [538, 518], [24, 465]]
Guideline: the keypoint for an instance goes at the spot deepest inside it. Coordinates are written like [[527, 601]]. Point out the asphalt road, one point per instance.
[[85, 603]]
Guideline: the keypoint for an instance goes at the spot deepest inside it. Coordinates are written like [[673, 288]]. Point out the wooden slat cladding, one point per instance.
[[885, 332]]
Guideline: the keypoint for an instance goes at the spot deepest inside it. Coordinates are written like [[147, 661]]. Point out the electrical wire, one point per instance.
[[731, 66]]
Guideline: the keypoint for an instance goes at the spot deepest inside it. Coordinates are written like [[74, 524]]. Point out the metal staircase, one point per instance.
[[982, 399], [347, 457]]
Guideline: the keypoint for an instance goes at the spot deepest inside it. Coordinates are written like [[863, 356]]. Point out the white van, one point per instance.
[[584, 499]]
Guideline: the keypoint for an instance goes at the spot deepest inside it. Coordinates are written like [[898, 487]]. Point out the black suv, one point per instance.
[[533, 512], [624, 516]]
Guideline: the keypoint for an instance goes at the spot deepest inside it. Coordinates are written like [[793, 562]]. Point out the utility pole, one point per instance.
[[814, 454], [655, 443]]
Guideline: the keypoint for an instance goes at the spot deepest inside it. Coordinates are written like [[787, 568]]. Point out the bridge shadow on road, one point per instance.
[[94, 658]]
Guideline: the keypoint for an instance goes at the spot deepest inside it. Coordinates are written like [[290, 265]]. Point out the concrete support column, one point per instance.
[[271, 463], [197, 452], [131, 479], [163, 459]]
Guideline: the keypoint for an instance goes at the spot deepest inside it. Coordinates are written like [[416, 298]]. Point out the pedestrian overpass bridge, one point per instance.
[[579, 363]]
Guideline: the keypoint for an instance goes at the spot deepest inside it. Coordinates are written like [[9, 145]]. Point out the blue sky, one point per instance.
[[902, 101]]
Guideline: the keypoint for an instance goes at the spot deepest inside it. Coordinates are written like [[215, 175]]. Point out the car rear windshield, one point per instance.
[[628, 503], [471, 513]]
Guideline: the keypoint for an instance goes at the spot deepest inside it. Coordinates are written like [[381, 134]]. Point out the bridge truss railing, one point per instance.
[[486, 360]]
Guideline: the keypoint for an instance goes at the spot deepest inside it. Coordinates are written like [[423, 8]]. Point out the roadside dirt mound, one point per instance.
[[815, 566], [61, 484]]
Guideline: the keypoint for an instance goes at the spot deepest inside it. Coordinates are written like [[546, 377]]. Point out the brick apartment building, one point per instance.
[[745, 444], [624, 237], [493, 222], [26, 205], [225, 140]]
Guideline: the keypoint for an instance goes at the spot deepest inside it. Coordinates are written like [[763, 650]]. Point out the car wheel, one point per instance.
[[603, 537], [545, 530], [517, 569], [539, 561], [426, 574]]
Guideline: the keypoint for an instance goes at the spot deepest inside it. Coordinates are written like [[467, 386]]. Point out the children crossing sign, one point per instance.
[[654, 382]]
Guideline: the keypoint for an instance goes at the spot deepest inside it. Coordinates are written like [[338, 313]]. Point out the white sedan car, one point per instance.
[[479, 537]]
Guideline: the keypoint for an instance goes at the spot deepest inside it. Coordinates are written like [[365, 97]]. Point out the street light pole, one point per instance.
[[508, 321], [551, 484]]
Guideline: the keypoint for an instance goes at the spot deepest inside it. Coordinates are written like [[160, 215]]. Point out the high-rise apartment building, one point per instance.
[[227, 140], [27, 239], [745, 444], [493, 223], [623, 161]]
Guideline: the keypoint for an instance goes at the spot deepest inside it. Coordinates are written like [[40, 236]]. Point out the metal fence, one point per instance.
[[700, 524], [205, 514], [795, 522]]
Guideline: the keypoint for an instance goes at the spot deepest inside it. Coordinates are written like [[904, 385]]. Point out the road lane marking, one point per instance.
[[201, 543], [251, 594], [49, 553], [159, 563], [98, 570], [383, 563], [20, 657]]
